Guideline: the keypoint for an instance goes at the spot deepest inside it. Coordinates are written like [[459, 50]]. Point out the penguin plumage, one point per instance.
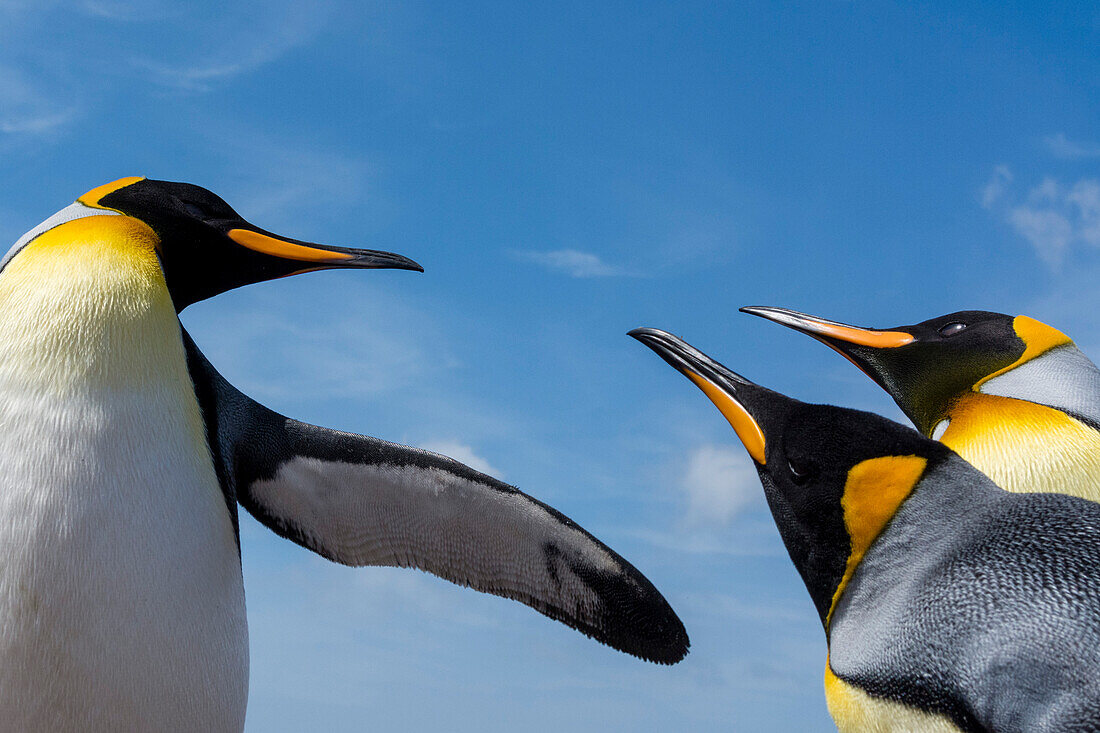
[[124, 455], [1013, 396], [948, 603]]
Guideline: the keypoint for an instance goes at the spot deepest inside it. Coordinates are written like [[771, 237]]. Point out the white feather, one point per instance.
[[121, 597]]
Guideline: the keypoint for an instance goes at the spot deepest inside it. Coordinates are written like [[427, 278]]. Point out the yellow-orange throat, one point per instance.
[[1025, 447], [81, 302]]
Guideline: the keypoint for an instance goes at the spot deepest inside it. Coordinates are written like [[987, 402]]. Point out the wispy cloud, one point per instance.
[[370, 345], [281, 182], [238, 45], [997, 185], [27, 109], [1053, 217], [464, 453], [40, 94], [36, 124], [719, 482], [202, 78], [573, 263], [1062, 147], [719, 510]]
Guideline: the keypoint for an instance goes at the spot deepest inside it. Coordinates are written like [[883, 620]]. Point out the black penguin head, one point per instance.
[[206, 248], [928, 366], [832, 477]]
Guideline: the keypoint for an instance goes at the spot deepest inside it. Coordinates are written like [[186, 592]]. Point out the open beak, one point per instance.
[[731, 393]]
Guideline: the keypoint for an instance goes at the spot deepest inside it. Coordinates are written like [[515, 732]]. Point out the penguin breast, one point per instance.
[[1026, 447], [121, 597]]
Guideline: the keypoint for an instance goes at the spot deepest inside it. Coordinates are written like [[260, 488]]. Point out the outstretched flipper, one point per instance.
[[358, 500]]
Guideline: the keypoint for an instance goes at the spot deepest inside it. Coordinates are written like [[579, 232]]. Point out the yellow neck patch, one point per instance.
[[873, 492], [739, 418], [85, 304], [1038, 338], [93, 236], [1024, 446], [92, 197]]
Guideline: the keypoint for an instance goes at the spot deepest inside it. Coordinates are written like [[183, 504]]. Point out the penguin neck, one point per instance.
[[1024, 446], [1062, 378], [931, 518], [85, 306], [885, 594]]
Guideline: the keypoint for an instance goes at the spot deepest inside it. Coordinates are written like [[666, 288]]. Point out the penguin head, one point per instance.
[[206, 248], [833, 477], [927, 367]]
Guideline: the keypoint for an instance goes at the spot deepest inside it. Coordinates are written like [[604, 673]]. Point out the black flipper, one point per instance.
[[363, 501]]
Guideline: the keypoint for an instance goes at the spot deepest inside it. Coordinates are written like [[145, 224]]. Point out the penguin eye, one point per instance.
[[952, 328], [193, 209], [800, 471]]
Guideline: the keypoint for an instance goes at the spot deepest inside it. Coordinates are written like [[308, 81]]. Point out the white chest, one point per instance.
[[121, 600], [121, 597]]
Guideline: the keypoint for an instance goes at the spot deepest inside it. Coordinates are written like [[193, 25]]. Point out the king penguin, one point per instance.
[[948, 603], [1013, 396], [124, 455]]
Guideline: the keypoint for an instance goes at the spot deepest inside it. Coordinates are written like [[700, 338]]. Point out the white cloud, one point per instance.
[[1072, 306], [1062, 147], [462, 452], [719, 483], [997, 185], [1053, 217], [1049, 232], [1085, 198], [574, 263]]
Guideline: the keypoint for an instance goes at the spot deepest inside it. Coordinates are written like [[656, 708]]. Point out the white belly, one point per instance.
[[121, 597]]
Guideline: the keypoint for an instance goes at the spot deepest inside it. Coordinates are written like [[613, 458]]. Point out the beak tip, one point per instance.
[[760, 311], [645, 334], [406, 263], [372, 260]]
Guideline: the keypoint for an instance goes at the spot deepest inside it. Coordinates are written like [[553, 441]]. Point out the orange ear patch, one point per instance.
[[92, 197], [1038, 338], [872, 495]]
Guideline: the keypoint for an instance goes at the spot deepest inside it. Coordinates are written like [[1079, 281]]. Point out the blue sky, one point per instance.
[[565, 173]]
